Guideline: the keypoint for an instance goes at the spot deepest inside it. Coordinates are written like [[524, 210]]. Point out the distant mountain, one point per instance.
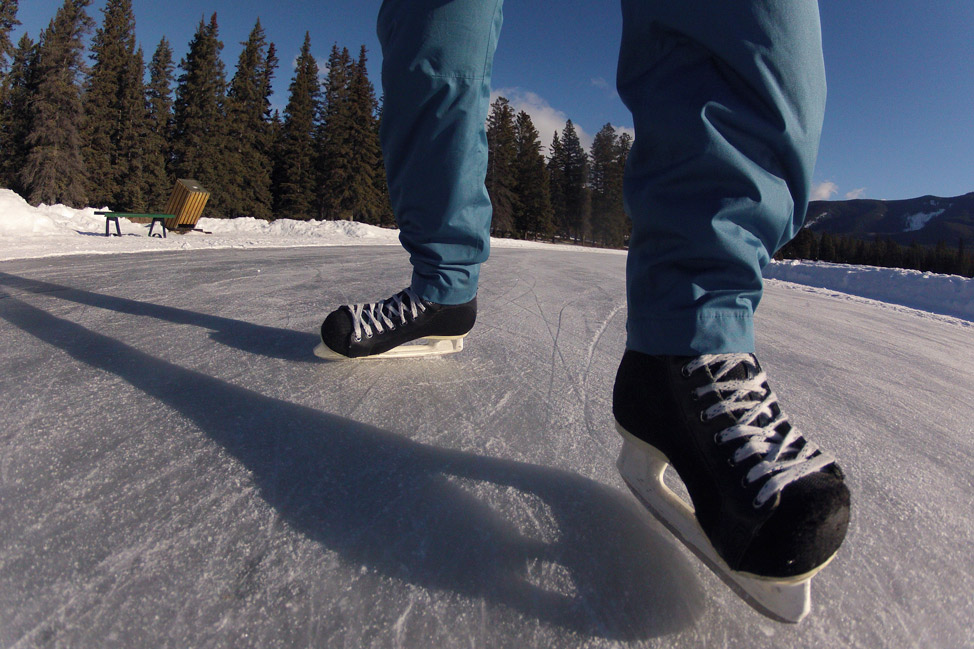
[[926, 220]]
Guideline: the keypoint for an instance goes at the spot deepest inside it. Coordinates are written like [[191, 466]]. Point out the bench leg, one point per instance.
[[162, 227], [108, 222]]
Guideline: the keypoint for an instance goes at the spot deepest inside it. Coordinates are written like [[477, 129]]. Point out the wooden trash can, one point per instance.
[[186, 204]]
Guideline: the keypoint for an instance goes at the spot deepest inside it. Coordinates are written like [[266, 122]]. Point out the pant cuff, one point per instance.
[[692, 336]]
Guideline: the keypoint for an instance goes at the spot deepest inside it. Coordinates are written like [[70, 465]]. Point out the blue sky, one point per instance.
[[899, 122]]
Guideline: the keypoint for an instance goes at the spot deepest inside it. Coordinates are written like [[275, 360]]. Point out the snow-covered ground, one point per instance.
[[28, 232]]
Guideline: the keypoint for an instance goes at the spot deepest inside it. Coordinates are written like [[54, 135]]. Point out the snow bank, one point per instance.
[[945, 294], [55, 230], [18, 218], [330, 231]]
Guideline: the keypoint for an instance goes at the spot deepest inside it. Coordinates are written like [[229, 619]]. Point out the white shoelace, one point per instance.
[[376, 317], [738, 396]]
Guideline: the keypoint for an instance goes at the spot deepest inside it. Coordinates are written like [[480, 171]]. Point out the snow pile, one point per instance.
[[67, 231], [55, 230], [331, 231], [17, 217], [945, 294]]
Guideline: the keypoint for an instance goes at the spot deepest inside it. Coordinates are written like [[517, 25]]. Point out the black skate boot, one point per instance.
[[769, 508], [381, 329]]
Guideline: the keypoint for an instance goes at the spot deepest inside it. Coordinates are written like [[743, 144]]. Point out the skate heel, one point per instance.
[[642, 467]]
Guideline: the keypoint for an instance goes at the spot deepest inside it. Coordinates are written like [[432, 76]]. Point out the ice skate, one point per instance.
[[402, 326], [769, 509]]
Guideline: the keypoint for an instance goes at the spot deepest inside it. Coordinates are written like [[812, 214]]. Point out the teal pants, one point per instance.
[[727, 99]]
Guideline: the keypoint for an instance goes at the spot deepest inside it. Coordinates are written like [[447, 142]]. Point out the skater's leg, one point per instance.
[[437, 58], [727, 101]]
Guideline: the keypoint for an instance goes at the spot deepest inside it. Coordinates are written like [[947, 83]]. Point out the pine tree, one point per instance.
[[556, 183], [275, 133], [619, 226], [200, 141], [54, 171], [572, 176], [271, 121], [334, 148], [248, 101], [158, 145], [502, 156], [297, 157], [364, 201], [134, 135], [115, 112], [609, 152], [18, 89], [386, 216], [351, 184], [8, 20], [533, 216]]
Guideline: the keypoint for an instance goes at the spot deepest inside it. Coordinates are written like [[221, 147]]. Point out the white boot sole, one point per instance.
[[431, 346]]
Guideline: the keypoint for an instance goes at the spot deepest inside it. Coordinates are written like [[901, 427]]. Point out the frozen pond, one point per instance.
[[178, 470]]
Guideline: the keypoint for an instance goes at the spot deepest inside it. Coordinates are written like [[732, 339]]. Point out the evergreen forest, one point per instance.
[[86, 118]]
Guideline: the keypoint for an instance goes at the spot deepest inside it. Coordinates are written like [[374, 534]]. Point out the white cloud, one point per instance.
[[600, 82], [855, 193], [546, 118], [824, 191]]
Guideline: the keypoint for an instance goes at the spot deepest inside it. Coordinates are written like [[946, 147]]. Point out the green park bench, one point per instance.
[[112, 217], [184, 209]]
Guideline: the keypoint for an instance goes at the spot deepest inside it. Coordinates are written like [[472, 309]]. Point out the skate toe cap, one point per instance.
[[336, 331], [805, 530]]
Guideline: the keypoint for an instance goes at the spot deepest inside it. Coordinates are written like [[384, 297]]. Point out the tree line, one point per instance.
[[881, 251], [107, 129], [101, 134], [571, 195]]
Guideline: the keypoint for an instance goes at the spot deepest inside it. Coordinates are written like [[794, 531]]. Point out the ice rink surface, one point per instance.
[[178, 470]]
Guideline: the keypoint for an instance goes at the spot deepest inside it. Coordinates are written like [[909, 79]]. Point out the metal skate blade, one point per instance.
[[432, 346], [642, 467]]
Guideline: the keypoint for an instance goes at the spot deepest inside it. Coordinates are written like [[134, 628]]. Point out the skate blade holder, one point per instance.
[[422, 347], [642, 467]]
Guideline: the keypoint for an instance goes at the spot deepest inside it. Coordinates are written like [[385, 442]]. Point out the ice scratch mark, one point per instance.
[[401, 622], [598, 336]]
